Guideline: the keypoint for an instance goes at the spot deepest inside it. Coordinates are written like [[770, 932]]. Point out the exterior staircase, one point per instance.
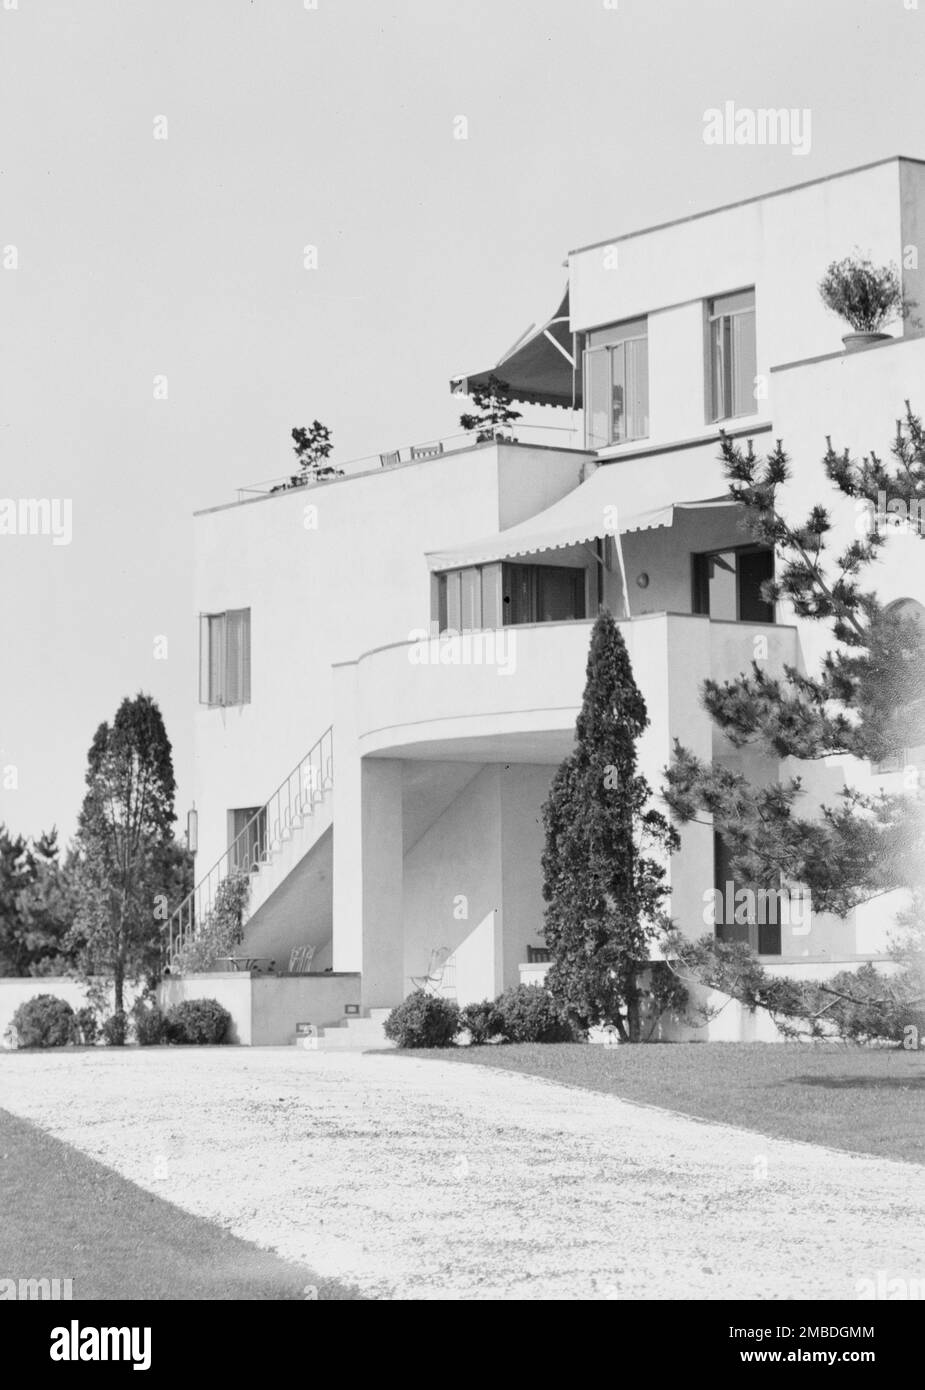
[[352, 1035], [268, 848]]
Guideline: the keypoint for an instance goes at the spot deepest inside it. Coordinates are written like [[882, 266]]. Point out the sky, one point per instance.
[[127, 258]]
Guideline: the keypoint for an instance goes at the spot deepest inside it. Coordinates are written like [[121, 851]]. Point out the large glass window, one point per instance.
[[616, 384], [500, 595], [225, 657], [733, 360], [543, 593]]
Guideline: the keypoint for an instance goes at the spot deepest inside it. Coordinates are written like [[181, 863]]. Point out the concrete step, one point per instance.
[[353, 1034]]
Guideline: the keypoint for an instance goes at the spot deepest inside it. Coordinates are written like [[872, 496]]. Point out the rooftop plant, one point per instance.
[[865, 295]]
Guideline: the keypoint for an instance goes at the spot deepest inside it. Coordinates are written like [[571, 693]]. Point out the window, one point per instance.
[[616, 384], [469, 599], [225, 658], [542, 593], [499, 595], [753, 917], [250, 851], [733, 361], [727, 584]]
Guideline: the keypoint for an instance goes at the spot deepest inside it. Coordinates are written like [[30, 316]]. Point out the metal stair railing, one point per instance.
[[294, 799]]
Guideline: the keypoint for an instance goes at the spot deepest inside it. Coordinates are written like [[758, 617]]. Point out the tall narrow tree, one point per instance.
[[603, 888], [125, 847]]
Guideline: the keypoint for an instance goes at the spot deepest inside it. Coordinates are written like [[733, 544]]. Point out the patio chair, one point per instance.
[[300, 960], [436, 967], [426, 451]]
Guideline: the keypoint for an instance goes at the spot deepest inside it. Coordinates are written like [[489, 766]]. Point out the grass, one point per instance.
[[866, 1100], [65, 1216]]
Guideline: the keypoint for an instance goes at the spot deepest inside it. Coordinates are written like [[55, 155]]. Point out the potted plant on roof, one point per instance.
[[865, 295], [492, 400], [312, 447]]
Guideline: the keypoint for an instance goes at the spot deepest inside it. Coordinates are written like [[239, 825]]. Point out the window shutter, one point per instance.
[[204, 659], [217, 693], [238, 657]]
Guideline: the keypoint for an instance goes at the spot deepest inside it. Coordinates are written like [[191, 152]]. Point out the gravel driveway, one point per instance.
[[419, 1179]]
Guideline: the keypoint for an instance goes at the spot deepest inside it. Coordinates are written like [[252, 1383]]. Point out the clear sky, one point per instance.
[[334, 127]]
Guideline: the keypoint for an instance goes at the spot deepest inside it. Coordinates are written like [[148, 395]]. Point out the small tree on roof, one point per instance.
[[493, 403]]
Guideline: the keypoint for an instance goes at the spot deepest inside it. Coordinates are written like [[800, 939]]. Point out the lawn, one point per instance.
[[867, 1100], [65, 1216]]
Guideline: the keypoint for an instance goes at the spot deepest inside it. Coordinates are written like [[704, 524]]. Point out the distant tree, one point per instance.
[[36, 905], [126, 853], [312, 448], [603, 889], [493, 404]]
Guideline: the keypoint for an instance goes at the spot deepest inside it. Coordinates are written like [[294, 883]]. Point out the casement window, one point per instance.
[[727, 584], [499, 595], [733, 360], [247, 838], [616, 384], [225, 657]]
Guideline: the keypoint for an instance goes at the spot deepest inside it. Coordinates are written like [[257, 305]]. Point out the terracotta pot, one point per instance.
[[855, 341]]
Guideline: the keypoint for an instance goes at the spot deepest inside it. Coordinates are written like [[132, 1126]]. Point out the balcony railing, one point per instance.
[[296, 796], [552, 436]]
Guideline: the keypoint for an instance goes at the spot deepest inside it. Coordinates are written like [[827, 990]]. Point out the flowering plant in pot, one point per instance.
[[866, 296]]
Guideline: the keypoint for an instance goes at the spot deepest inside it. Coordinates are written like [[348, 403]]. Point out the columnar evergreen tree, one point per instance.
[[603, 888], [126, 854]]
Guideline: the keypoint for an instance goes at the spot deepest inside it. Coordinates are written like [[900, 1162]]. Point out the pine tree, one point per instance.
[[604, 890], [868, 699]]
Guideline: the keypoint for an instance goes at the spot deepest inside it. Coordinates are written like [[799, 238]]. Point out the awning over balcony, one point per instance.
[[539, 368], [596, 508]]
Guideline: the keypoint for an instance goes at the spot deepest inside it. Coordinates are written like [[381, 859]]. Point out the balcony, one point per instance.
[[513, 694]]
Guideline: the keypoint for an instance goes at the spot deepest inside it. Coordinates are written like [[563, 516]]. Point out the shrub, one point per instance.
[[423, 1020], [530, 1014], [221, 930], [44, 1021], [197, 1022], [864, 295], [482, 1022], [149, 1023], [87, 1025], [115, 1029]]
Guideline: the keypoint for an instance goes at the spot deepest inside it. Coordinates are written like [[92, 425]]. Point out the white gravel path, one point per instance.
[[420, 1179]]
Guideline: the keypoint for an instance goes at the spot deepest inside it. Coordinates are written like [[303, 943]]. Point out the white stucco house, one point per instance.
[[383, 783]]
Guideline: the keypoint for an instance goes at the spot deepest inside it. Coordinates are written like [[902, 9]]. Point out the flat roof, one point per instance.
[[742, 202]]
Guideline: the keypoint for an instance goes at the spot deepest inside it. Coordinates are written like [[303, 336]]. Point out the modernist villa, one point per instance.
[[381, 777]]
